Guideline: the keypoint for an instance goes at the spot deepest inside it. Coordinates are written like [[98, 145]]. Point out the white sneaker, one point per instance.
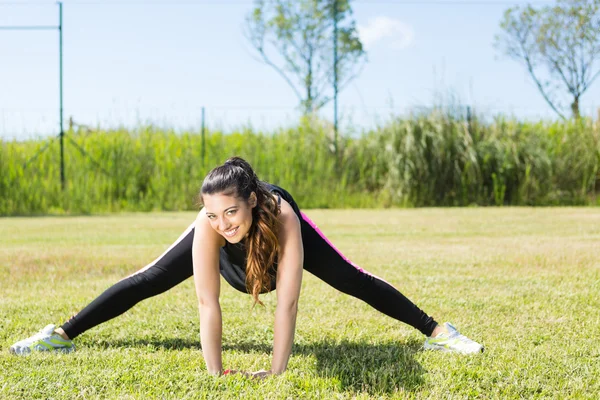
[[452, 341], [44, 340]]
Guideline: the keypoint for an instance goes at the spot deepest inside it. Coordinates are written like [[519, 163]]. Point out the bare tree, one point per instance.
[[301, 33], [559, 45]]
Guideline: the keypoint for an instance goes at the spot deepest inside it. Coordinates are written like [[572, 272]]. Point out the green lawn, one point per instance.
[[523, 281]]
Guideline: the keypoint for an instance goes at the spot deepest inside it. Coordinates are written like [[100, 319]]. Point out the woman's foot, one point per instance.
[[450, 339], [45, 340]]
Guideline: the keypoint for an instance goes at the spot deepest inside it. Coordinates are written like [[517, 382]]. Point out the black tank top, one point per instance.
[[232, 260]]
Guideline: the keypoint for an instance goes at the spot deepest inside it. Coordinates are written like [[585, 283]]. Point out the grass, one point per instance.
[[430, 160], [523, 281]]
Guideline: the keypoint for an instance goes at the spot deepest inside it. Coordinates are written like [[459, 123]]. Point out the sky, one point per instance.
[[131, 62]]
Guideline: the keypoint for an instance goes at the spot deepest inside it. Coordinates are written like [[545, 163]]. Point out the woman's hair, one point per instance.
[[237, 178]]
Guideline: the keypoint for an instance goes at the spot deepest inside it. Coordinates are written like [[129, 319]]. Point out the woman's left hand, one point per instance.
[[258, 374]]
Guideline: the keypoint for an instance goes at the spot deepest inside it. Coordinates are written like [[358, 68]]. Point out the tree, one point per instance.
[[301, 32], [559, 46]]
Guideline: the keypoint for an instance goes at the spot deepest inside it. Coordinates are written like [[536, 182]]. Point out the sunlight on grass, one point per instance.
[[523, 281]]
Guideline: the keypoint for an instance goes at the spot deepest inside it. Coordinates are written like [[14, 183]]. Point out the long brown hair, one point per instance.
[[237, 178]]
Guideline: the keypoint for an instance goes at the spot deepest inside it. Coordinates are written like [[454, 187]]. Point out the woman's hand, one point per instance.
[[254, 375], [261, 374]]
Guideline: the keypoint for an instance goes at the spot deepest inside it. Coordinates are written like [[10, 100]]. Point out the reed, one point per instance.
[[434, 159]]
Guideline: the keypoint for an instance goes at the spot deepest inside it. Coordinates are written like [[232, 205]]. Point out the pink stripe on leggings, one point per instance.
[[316, 228]]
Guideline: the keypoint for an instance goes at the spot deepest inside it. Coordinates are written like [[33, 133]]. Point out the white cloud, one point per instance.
[[398, 34]]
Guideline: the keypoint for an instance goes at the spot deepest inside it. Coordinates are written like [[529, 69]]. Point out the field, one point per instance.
[[523, 281]]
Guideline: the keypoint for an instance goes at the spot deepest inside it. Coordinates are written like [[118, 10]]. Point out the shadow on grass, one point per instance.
[[151, 343], [365, 367], [374, 368]]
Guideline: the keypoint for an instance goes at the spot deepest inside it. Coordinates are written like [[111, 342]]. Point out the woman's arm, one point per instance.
[[205, 256], [289, 280]]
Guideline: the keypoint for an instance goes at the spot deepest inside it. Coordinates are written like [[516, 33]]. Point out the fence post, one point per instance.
[[469, 120], [203, 133], [62, 130]]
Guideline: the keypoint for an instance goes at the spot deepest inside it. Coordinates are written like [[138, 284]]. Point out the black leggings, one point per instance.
[[321, 259]]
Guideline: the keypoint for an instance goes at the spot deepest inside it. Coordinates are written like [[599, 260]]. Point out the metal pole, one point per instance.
[[62, 131], [203, 138], [335, 77], [28, 28], [469, 120]]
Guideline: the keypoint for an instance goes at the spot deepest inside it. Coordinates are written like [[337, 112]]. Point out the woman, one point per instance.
[[255, 236]]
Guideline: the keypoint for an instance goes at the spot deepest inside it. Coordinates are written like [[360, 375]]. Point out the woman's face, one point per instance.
[[230, 216]]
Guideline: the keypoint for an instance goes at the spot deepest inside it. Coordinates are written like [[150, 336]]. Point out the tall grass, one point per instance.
[[439, 160], [426, 160]]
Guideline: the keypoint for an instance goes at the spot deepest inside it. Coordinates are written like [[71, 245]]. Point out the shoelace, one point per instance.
[[457, 335], [41, 335], [464, 339]]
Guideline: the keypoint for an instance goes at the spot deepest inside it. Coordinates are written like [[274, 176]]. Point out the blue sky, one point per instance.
[[159, 61]]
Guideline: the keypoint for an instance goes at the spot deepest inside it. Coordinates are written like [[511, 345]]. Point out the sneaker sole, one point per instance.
[[64, 350], [447, 350]]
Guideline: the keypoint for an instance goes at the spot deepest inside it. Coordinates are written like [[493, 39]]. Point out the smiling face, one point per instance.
[[229, 215]]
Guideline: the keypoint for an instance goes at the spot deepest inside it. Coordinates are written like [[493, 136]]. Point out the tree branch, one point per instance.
[[540, 87], [593, 78], [280, 72]]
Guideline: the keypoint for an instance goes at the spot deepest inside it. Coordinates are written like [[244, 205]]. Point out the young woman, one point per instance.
[[255, 236]]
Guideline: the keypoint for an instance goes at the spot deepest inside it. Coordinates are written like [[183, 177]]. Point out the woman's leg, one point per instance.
[[171, 268], [323, 260]]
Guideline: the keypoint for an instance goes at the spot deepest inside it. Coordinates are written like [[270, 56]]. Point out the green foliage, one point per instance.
[[301, 32], [427, 160], [559, 45]]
